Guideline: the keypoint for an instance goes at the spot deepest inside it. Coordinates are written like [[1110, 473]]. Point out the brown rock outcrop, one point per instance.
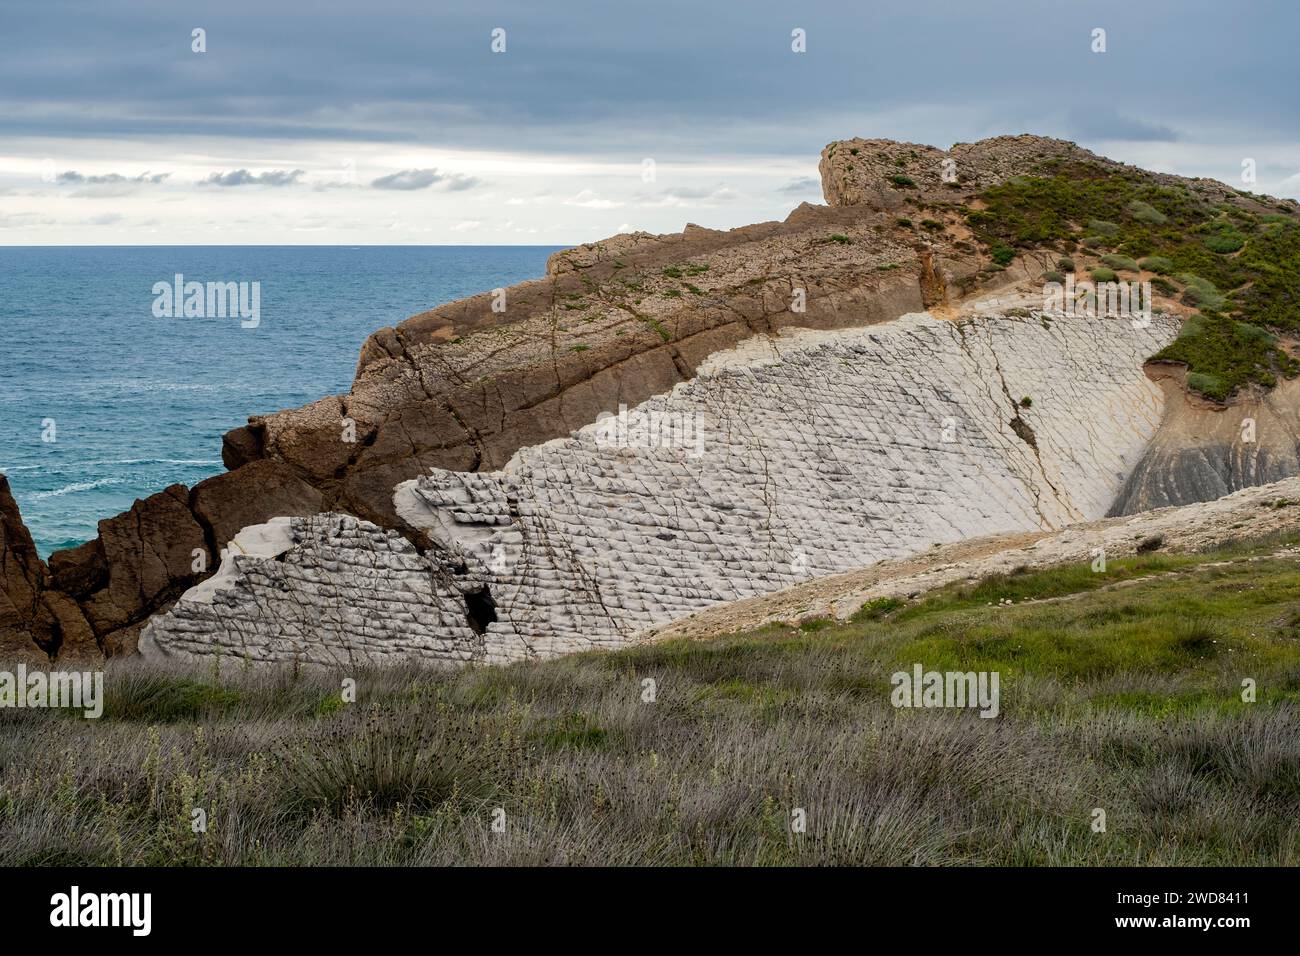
[[35, 623], [21, 571]]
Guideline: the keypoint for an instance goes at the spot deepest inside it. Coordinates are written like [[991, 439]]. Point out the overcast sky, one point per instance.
[[315, 121]]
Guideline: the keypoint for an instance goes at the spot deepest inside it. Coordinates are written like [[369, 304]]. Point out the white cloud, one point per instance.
[[588, 199]]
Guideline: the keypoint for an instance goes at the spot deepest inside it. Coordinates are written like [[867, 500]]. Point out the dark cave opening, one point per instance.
[[481, 609]]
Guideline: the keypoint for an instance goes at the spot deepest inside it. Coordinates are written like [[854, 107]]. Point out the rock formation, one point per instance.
[[783, 459], [1204, 451], [35, 620], [458, 391], [1253, 515]]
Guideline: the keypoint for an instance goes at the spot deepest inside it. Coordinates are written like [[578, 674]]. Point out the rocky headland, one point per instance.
[[868, 378]]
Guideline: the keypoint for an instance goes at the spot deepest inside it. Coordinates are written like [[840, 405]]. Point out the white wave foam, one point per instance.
[[75, 487]]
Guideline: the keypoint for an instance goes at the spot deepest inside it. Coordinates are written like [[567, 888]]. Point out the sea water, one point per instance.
[[102, 401]]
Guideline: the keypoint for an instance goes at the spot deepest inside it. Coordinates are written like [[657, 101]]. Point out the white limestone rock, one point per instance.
[[786, 458]]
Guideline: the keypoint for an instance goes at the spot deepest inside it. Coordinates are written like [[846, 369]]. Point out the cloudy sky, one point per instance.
[[395, 122]]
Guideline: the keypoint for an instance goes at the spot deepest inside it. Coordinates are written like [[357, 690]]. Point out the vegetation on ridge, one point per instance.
[[1238, 265]]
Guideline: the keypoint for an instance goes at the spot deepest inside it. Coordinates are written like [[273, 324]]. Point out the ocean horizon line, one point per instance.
[[279, 245]]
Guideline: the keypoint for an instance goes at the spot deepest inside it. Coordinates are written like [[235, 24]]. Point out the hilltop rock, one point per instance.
[[882, 173]]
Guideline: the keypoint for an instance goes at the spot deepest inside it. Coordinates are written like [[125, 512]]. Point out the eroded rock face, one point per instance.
[[338, 576], [35, 623], [97, 596], [463, 387], [785, 458], [1204, 451], [22, 630]]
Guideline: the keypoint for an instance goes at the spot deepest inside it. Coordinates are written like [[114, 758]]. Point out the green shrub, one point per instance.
[[1249, 334], [1102, 274], [1225, 243], [1065, 263], [1158, 264], [1201, 293], [898, 179], [1053, 276], [1122, 262], [1222, 355], [875, 609], [1145, 212], [1211, 386], [1002, 253], [1222, 236], [1100, 227]]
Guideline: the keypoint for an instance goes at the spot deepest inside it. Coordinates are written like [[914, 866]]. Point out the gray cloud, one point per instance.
[[242, 177], [409, 179], [1104, 123], [801, 186], [72, 176], [687, 196], [628, 80]]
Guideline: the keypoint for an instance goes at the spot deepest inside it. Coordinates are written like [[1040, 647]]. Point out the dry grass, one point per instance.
[[1129, 703]]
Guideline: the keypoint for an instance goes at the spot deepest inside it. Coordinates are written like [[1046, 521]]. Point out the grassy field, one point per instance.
[[1119, 691]]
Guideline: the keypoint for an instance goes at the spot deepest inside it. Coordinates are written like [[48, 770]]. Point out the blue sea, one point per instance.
[[134, 402]]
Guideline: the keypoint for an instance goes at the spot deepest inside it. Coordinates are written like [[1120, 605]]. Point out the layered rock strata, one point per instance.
[[788, 457]]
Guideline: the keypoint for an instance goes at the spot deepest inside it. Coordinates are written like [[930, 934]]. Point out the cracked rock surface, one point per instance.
[[788, 457]]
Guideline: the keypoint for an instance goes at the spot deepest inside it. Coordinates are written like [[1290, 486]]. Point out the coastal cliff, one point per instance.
[[464, 389]]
